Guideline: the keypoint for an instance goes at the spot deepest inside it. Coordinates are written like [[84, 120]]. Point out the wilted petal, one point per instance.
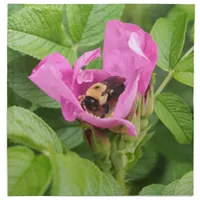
[[80, 75], [107, 122], [127, 48]]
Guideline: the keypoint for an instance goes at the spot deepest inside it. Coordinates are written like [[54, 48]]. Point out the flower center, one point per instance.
[[101, 98]]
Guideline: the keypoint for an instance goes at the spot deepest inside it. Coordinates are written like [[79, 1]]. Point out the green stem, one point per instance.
[[188, 52], [33, 107], [170, 74], [120, 177], [164, 83]]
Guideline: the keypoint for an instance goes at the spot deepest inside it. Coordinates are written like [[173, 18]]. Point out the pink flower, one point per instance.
[[129, 52]]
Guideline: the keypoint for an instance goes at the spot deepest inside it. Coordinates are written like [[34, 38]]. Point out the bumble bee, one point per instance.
[[103, 96]]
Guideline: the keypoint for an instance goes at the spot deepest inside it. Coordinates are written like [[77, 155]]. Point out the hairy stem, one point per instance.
[[120, 177]]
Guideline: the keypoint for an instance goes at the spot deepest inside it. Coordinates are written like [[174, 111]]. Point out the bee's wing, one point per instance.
[[115, 85], [114, 81]]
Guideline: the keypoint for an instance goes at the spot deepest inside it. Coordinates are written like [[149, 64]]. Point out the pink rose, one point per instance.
[[129, 52]]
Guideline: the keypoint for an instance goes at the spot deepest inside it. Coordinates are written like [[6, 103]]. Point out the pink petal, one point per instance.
[[98, 122], [85, 76], [80, 75], [107, 122], [62, 65], [127, 48], [97, 76], [127, 98], [69, 109], [49, 78]]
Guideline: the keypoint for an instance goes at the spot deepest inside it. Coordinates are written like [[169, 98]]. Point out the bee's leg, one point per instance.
[[106, 110]]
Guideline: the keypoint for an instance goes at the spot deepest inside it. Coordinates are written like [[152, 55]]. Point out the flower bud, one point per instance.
[[144, 122], [119, 160], [100, 143], [148, 99]]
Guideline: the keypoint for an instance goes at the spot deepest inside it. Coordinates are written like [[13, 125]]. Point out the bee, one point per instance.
[[102, 97]]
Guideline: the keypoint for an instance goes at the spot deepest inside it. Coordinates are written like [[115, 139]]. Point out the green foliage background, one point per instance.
[[164, 159]]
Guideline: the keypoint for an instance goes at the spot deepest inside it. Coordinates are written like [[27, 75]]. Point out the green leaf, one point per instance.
[[177, 39], [51, 6], [185, 185], [184, 71], [179, 169], [175, 169], [12, 8], [28, 174], [53, 117], [12, 55], [171, 149], [175, 11], [85, 151], [14, 99], [144, 165], [27, 128], [72, 135], [38, 32], [95, 64], [176, 116], [87, 27], [18, 72], [170, 38], [152, 190], [192, 33], [170, 188], [75, 176]]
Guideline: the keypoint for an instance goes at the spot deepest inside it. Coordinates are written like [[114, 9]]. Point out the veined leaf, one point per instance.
[[170, 188], [51, 6], [176, 116], [14, 99], [53, 117], [18, 72], [187, 8], [12, 8], [185, 185], [72, 135], [163, 142], [184, 71], [75, 176], [38, 32], [27, 128], [28, 174], [169, 35], [177, 39], [87, 27], [144, 165], [152, 190], [179, 169], [12, 55]]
